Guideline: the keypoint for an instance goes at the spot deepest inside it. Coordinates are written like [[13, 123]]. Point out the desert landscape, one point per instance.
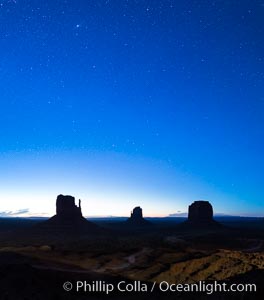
[[131, 150], [39, 257]]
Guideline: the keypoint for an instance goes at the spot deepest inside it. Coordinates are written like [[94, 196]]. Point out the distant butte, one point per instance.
[[69, 216], [201, 214], [136, 218], [66, 208]]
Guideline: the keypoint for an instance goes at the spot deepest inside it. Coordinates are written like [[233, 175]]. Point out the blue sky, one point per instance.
[[125, 103]]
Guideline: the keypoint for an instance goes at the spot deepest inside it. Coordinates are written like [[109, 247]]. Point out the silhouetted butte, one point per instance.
[[69, 216], [201, 214], [136, 218]]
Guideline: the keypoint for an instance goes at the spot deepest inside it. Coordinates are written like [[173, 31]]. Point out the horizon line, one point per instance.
[[183, 215]]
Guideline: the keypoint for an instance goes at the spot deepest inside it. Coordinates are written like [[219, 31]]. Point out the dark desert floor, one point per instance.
[[34, 262]]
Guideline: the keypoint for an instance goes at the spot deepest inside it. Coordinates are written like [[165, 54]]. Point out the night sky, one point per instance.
[[122, 103]]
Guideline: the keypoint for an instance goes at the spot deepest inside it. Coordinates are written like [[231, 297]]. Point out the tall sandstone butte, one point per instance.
[[201, 214], [200, 211], [136, 218], [67, 209], [69, 217]]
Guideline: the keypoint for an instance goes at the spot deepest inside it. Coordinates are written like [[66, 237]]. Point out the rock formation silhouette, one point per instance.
[[136, 218], [69, 216], [137, 213], [201, 214], [200, 211], [66, 208]]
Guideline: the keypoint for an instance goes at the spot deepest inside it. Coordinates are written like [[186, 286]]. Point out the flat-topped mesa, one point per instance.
[[136, 218], [66, 207], [200, 212]]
